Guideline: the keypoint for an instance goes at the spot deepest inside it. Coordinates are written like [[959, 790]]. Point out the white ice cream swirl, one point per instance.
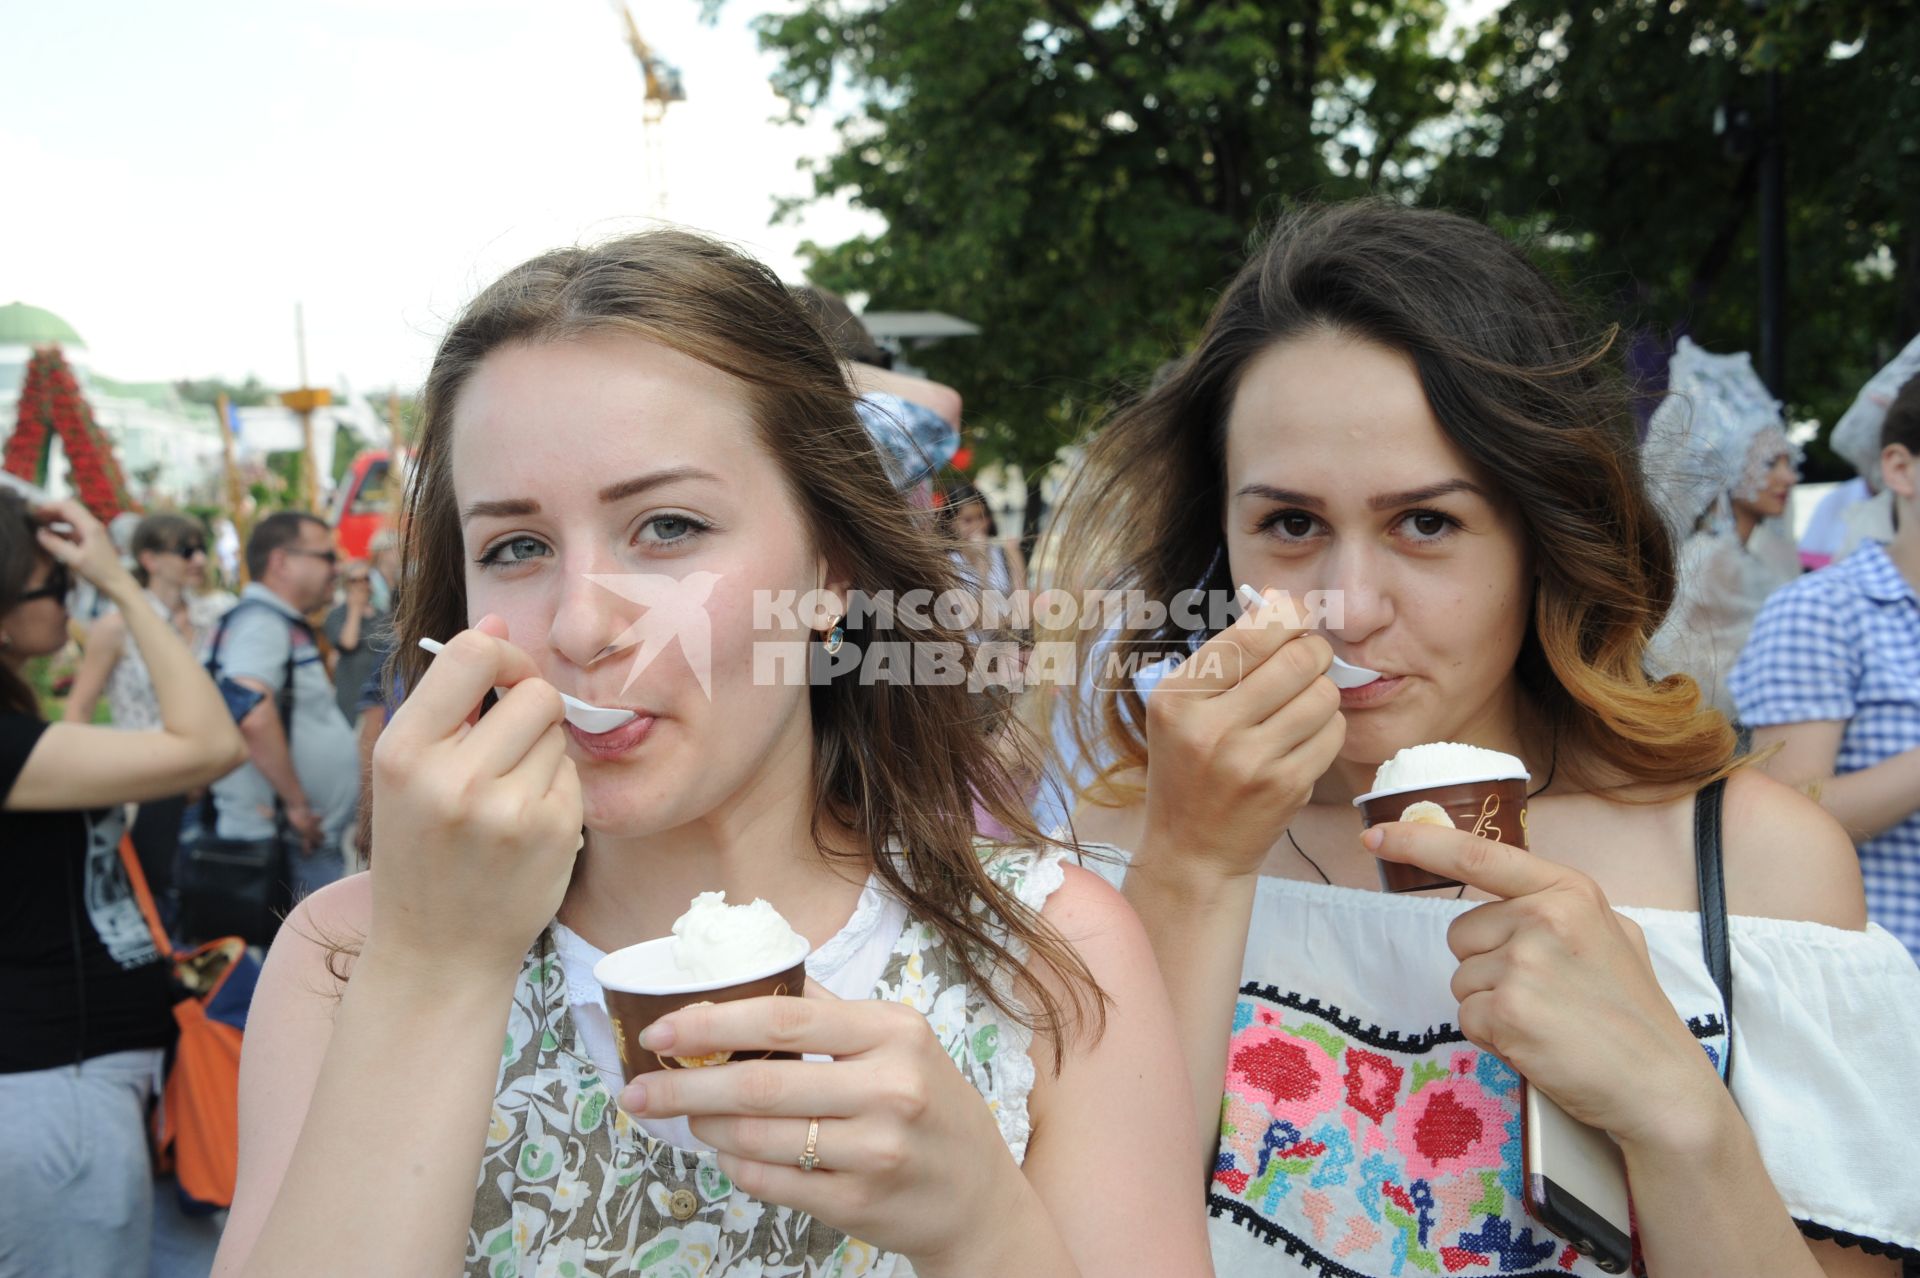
[[714, 941], [1442, 763]]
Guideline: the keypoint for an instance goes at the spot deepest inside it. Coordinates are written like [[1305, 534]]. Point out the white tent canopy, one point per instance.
[[270, 428]]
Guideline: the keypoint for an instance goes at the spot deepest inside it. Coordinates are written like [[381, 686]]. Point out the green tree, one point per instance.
[[1077, 176], [207, 390], [1620, 137]]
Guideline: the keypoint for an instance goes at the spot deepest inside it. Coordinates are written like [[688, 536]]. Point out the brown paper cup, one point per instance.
[[1490, 809], [642, 985]]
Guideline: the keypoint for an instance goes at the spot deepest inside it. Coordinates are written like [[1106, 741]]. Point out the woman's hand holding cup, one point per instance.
[[476, 821], [907, 1157], [1559, 985], [1237, 737]]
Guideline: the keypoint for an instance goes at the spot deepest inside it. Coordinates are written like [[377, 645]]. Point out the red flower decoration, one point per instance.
[[51, 407]]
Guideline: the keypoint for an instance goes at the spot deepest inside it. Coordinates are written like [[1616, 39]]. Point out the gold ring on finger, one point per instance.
[[809, 1159]]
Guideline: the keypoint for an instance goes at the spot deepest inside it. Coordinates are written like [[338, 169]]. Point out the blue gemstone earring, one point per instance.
[[836, 637]]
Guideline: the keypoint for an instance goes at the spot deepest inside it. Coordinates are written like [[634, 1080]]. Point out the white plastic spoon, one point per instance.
[[1344, 673], [1347, 675], [588, 718]]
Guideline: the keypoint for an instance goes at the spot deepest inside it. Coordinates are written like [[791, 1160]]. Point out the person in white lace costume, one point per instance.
[[1719, 461], [1860, 510]]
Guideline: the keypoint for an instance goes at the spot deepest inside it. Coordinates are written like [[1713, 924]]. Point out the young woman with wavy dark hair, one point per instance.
[[657, 416], [1395, 406]]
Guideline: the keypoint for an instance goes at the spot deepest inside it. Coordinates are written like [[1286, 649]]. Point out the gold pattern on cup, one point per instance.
[[620, 1041], [636, 1009], [1484, 828], [713, 1058], [698, 1062], [1485, 809]]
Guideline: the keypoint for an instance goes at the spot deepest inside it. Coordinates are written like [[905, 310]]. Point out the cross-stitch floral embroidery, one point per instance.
[[1374, 1153]]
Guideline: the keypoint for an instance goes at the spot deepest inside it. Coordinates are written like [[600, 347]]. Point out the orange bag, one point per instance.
[[196, 1126]]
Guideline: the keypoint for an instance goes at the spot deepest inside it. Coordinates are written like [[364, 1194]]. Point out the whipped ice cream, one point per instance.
[[714, 941], [1445, 763]]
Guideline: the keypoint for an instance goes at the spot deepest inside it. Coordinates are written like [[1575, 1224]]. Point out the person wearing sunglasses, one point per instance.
[[170, 559], [56, 583], [84, 992]]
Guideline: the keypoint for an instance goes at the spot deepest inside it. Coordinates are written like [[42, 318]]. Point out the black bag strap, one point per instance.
[[282, 701], [1710, 871]]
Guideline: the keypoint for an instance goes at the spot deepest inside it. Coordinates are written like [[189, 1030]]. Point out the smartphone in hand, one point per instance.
[[1575, 1182]]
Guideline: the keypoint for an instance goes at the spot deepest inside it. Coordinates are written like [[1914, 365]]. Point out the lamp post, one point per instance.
[[303, 401], [1773, 244], [1773, 222]]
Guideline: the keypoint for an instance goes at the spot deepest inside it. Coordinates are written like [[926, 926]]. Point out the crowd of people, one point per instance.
[[1103, 979], [225, 741]]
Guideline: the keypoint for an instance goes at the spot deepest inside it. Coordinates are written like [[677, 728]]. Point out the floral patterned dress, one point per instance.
[[571, 1186]]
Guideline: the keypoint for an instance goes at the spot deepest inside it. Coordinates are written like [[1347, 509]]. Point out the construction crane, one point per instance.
[[663, 86]]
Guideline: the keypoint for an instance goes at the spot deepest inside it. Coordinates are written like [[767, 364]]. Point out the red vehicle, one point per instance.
[[362, 505]]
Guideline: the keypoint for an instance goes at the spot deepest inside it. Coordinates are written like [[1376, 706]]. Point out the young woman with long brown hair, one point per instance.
[[658, 412], [1394, 405]]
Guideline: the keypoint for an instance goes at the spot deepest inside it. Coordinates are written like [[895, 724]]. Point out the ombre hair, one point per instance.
[[1518, 383]]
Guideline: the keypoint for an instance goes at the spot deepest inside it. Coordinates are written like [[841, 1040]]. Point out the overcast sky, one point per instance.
[[176, 176]]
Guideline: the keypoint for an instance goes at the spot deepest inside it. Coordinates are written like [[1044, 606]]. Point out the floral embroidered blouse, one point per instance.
[[572, 1186], [1362, 1135]]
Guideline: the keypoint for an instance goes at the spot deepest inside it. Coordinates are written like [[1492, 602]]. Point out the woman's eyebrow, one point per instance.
[[520, 507], [506, 508], [1284, 496], [641, 483], [1414, 496], [1379, 501]]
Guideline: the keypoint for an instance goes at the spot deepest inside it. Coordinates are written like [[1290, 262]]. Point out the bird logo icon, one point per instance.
[[672, 608]]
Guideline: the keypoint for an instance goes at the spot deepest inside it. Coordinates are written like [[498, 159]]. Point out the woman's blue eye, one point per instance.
[[671, 528], [515, 550]]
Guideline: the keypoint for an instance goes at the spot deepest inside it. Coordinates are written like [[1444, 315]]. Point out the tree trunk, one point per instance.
[[1907, 281], [1030, 516]]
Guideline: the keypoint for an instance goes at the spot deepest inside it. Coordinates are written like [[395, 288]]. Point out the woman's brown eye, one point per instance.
[[1428, 525], [1296, 525]]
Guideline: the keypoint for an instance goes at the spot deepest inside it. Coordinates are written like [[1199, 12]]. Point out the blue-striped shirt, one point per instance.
[[1844, 644]]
